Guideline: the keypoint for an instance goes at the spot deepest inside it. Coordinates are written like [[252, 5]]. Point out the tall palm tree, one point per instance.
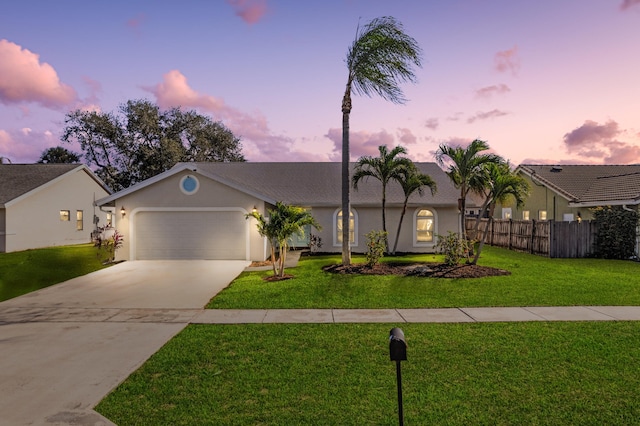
[[412, 181], [503, 184], [380, 57], [466, 167], [385, 168]]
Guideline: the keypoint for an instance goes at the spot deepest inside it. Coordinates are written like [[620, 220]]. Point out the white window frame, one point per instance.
[[336, 241], [431, 243], [65, 215], [526, 215], [79, 220], [542, 215]]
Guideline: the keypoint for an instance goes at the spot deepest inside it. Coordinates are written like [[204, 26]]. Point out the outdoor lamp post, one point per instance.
[[398, 353]]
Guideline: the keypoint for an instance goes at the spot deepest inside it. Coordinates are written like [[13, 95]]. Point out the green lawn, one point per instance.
[[535, 281], [26, 271], [542, 373], [340, 374]]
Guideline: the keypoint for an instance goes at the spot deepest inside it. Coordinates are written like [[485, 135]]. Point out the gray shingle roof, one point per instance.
[[317, 184], [590, 184], [19, 179]]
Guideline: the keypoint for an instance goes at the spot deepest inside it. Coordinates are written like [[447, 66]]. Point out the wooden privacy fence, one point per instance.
[[546, 238]]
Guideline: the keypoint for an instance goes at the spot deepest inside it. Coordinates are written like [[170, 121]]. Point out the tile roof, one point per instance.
[[306, 184], [316, 183], [589, 184], [19, 179]]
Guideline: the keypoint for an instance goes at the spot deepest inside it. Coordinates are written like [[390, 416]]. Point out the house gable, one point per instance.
[[60, 211]]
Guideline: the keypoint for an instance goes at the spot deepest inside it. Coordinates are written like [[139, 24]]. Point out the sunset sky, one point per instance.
[[545, 81]]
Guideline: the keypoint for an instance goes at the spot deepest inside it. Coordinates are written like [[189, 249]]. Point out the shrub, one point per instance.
[[616, 235], [376, 245], [315, 243], [454, 248], [108, 241]]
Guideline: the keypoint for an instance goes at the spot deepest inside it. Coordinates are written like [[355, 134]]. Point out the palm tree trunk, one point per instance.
[[346, 208], [384, 217], [273, 257], [404, 210], [484, 237], [463, 230], [281, 259]]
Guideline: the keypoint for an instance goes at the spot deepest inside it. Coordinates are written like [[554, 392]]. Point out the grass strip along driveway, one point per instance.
[[25, 271], [457, 374]]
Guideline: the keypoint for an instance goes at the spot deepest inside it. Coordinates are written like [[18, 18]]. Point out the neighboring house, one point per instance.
[[197, 210], [43, 205], [568, 192]]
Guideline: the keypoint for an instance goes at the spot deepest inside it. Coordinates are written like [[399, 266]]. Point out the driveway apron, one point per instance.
[[63, 348]]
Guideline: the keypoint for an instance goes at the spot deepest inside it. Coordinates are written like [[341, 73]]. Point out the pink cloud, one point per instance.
[[626, 4], [25, 145], [490, 91], [135, 23], [24, 79], [601, 141], [251, 11], [507, 60], [360, 143], [431, 123], [406, 137], [591, 133], [486, 115], [258, 140]]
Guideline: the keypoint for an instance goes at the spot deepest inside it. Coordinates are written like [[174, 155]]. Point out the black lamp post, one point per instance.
[[398, 352]]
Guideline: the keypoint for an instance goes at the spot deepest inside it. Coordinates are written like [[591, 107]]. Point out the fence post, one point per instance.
[[533, 235], [510, 236]]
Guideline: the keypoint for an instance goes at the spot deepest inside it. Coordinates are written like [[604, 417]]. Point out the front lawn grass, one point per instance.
[[330, 374], [534, 281], [22, 272]]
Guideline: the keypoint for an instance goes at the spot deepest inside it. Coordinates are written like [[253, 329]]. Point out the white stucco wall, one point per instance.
[[166, 194], [34, 221], [370, 218]]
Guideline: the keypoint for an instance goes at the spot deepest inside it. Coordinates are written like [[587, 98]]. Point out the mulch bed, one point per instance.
[[432, 270]]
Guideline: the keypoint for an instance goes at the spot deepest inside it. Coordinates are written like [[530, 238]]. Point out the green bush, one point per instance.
[[454, 248], [616, 235], [376, 245]]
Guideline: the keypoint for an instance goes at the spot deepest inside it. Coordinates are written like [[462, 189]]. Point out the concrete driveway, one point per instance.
[[65, 347]]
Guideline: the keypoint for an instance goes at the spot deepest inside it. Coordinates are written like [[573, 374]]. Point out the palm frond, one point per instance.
[[381, 56]]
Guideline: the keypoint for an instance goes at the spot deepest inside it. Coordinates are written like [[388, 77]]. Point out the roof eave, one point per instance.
[[605, 203]]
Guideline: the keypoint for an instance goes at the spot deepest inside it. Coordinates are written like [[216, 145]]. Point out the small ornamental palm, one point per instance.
[[380, 57], [412, 181], [284, 221], [385, 168], [466, 167]]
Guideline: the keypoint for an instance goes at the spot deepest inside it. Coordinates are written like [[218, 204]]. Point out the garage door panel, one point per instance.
[[190, 235]]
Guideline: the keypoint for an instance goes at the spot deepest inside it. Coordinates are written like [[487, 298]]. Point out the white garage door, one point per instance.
[[190, 235]]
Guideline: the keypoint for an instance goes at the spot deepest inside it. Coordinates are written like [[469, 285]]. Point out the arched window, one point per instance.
[[337, 227], [424, 227]]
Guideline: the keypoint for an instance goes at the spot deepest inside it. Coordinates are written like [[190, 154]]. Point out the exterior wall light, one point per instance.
[[123, 212]]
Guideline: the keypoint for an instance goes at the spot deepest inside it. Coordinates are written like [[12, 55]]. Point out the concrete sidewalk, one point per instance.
[[447, 315], [182, 317]]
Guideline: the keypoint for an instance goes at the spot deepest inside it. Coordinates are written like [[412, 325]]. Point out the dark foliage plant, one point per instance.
[[616, 235]]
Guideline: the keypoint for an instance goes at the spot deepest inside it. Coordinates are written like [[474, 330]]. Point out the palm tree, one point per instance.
[[466, 167], [385, 168], [412, 181], [284, 221], [502, 185], [380, 57]]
